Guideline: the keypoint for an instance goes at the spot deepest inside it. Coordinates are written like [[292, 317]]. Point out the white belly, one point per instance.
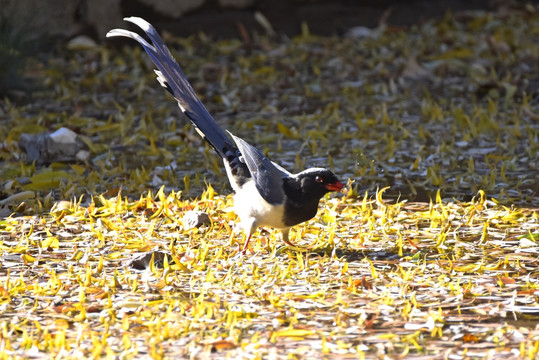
[[254, 211]]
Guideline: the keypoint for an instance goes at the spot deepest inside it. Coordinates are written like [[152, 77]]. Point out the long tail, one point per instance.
[[172, 78]]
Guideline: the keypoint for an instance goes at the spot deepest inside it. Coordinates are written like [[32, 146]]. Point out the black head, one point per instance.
[[305, 190], [314, 183]]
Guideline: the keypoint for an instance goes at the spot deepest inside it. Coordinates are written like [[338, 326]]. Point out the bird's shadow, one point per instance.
[[350, 255]]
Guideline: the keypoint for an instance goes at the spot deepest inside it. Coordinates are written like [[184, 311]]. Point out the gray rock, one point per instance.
[[173, 8], [104, 15], [237, 4], [193, 219], [142, 261], [37, 18], [61, 146]]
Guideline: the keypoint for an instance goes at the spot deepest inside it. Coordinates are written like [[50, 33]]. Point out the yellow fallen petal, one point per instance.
[[301, 333], [28, 259]]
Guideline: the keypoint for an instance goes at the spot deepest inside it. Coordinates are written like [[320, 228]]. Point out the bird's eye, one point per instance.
[[319, 179]]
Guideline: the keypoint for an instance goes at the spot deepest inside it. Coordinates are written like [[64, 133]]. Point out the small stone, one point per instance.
[[193, 219], [62, 206], [359, 32], [526, 243], [81, 42], [63, 136], [5, 212], [142, 261]]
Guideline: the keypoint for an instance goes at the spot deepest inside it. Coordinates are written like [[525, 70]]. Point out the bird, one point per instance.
[[265, 193]]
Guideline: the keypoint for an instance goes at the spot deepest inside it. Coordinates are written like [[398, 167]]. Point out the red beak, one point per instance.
[[336, 186]]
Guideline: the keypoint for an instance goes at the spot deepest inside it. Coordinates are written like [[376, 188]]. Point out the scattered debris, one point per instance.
[[63, 145]]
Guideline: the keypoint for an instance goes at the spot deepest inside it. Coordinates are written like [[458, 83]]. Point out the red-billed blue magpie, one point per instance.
[[266, 194]]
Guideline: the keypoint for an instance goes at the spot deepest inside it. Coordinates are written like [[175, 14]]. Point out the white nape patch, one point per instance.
[[312, 170]]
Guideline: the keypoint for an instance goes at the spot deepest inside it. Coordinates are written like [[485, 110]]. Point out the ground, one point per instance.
[[432, 253]]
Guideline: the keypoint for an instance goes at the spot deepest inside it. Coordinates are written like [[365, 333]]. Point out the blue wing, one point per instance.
[[267, 176]]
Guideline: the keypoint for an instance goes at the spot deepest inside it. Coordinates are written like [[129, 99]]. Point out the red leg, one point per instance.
[[285, 238], [246, 246]]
